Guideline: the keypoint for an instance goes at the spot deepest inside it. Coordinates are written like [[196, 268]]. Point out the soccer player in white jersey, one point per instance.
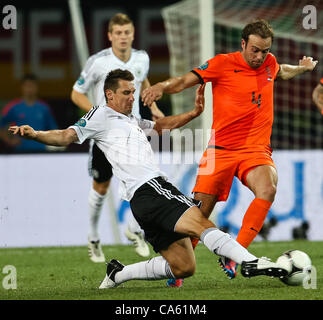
[[167, 216], [119, 55]]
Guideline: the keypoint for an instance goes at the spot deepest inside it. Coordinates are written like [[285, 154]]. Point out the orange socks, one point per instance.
[[251, 224], [194, 241], [253, 220]]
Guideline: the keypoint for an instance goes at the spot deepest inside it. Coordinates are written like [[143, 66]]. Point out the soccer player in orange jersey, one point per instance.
[[318, 96], [242, 86]]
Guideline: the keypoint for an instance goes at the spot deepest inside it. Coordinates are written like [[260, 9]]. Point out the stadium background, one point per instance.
[[43, 197], [44, 44]]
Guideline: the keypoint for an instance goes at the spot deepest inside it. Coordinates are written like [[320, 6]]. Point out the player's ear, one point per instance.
[[109, 94], [243, 44], [133, 32], [109, 36]]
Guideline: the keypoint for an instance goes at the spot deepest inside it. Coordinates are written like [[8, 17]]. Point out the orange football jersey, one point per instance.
[[242, 99]]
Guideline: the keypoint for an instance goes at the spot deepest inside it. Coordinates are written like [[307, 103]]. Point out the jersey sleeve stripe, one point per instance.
[[200, 78], [89, 115]]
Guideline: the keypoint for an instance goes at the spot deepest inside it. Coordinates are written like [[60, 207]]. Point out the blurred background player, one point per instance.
[[242, 84], [28, 109], [318, 96], [119, 55]]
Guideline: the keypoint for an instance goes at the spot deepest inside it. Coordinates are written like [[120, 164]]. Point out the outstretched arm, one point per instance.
[[177, 121], [288, 71], [172, 85], [50, 137], [10, 141], [318, 96]]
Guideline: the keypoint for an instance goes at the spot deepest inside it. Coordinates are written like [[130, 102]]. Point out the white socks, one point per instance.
[[133, 225], [223, 245], [96, 202], [156, 268]]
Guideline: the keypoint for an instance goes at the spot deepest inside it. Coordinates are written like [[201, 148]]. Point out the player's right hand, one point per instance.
[[308, 63], [151, 94], [24, 131]]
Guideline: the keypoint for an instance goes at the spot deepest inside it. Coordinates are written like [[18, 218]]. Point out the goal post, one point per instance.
[[79, 31], [190, 38], [206, 53], [189, 33]]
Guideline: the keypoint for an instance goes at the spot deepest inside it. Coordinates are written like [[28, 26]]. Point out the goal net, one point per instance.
[[182, 27], [297, 122]]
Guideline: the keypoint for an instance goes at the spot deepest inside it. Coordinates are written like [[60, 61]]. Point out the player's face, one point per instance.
[[121, 37], [122, 100], [255, 50], [29, 89]]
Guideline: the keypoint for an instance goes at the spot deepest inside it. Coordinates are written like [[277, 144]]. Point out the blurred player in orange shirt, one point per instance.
[[242, 86]]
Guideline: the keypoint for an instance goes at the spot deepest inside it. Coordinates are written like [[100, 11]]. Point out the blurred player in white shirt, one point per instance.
[[119, 55]]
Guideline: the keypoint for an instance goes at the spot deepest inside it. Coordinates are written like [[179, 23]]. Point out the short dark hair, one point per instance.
[[111, 81], [29, 76], [258, 27]]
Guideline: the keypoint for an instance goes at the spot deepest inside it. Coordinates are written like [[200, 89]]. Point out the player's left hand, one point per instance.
[[24, 131], [199, 99], [308, 63]]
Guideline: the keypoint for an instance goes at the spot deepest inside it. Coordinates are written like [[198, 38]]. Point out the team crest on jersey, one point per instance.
[[80, 81], [80, 123], [203, 66]]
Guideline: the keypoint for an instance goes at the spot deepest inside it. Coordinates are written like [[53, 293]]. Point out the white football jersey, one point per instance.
[[100, 64], [123, 141]]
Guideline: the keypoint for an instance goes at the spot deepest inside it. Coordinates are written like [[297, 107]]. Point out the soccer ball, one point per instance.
[[298, 264]]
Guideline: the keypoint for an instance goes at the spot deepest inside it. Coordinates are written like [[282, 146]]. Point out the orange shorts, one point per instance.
[[218, 167]]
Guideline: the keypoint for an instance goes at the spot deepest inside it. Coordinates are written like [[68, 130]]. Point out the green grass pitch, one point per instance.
[[66, 273]]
